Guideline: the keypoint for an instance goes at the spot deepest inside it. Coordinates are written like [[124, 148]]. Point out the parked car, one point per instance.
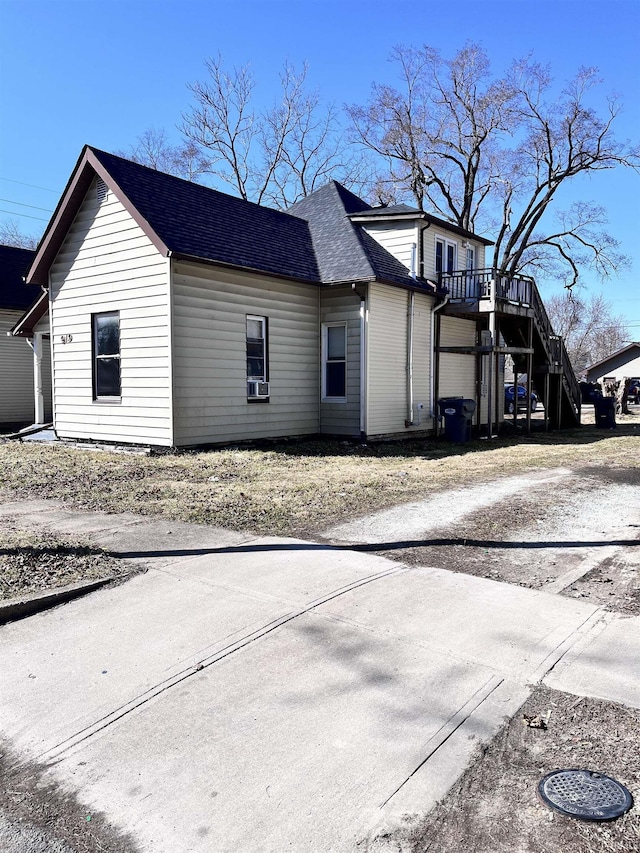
[[522, 399], [633, 395]]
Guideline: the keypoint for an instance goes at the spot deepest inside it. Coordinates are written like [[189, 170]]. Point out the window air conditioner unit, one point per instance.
[[257, 389]]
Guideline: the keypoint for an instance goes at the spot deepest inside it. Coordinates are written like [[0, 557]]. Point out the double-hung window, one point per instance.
[[257, 358], [334, 361], [106, 356], [471, 259], [445, 256]]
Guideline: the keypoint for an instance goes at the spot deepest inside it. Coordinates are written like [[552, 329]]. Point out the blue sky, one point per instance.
[[102, 71]]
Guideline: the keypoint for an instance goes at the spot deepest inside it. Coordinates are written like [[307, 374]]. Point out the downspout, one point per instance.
[[434, 355], [362, 293], [412, 303], [410, 321]]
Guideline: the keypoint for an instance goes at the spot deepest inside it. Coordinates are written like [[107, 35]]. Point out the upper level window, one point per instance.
[[471, 258], [334, 361], [106, 355], [445, 256], [451, 257]]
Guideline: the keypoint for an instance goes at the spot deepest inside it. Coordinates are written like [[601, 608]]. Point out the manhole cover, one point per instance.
[[584, 794]]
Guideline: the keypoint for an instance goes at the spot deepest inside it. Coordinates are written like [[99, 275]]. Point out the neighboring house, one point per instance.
[[623, 364], [16, 358], [183, 316]]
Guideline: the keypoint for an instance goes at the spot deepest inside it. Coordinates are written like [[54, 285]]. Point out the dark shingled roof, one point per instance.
[[198, 222], [14, 264], [344, 251], [315, 241]]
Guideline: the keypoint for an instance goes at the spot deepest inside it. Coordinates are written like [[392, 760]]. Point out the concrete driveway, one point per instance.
[[252, 694]]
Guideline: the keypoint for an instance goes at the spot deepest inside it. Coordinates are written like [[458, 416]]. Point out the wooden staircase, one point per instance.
[[522, 324]]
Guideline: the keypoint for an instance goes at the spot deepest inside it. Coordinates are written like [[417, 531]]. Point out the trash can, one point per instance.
[[605, 411], [458, 417]]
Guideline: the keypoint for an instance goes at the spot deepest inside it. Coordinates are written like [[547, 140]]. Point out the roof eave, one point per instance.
[[25, 325], [87, 166], [613, 355], [211, 262], [364, 217]]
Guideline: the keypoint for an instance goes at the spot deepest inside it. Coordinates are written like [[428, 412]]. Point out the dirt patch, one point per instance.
[[36, 561], [614, 584], [493, 808], [588, 523], [43, 818]]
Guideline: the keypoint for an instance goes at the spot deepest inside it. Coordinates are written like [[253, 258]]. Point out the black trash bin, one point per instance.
[[605, 411], [458, 417]]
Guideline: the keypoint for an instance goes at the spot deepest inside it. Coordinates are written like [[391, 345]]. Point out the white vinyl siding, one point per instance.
[[342, 305], [106, 263], [397, 238], [16, 373], [387, 362], [422, 356], [457, 370], [210, 307], [436, 232]]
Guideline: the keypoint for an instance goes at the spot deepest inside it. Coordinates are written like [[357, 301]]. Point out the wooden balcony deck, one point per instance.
[[473, 292]]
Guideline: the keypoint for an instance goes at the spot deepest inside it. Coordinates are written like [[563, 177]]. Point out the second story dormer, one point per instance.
[[426, 245]]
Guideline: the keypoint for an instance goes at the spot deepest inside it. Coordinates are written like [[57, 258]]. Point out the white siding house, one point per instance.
[[181, 316], [16, 373], [16, 357], [623, 364], [210, 309], [107, 264]]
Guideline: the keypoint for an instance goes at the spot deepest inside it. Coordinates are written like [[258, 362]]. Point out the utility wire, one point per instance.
[[22, 204], [33, 186], [25, 215]]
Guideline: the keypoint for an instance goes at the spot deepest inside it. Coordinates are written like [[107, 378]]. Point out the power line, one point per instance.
[[24, 215], [22, 204], [33, 186]]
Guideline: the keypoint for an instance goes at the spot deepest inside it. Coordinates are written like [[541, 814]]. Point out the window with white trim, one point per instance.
[[257, 357], [471, 258], [446, 253], [106, 356], [334, 361]]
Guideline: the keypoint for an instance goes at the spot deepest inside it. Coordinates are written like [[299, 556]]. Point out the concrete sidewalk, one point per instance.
[[262, 694]]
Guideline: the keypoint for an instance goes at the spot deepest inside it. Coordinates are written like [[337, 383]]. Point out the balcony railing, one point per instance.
[[473, 285]]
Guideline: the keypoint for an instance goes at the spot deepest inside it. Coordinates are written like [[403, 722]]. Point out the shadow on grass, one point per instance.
[[440, 448], [37, 551]]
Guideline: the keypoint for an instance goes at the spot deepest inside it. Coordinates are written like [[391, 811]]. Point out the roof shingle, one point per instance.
[[14, 264], [196, 221]]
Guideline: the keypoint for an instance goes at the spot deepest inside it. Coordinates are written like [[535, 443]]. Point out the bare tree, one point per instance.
[[12, 235], [438, 134], [275, 156], [561, 138], [590, 331], [154, 149], [492, 154]]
